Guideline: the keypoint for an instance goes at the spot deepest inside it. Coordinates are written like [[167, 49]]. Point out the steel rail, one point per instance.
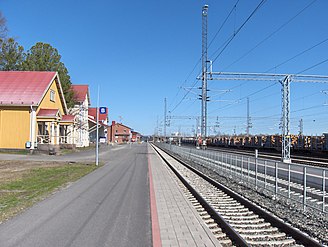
[[314, 161]]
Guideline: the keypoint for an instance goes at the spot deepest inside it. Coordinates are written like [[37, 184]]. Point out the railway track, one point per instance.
[[314, 161], [233, 219]]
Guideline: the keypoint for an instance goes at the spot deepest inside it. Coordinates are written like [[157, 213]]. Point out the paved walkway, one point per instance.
[[179, 223]]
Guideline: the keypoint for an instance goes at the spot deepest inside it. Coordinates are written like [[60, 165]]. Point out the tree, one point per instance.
[[3, 26], [44, 57], [11, 54]]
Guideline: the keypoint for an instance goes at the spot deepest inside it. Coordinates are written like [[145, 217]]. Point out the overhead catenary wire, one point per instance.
[[224, 22], [313, 66], [199, 60], [183, 98], [229, 40], [278, 105], [299, 54], [185, 81], [278, 65], [245, 97], [270, 35]]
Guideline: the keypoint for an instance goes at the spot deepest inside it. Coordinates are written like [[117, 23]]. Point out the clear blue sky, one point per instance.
[[140, 52]]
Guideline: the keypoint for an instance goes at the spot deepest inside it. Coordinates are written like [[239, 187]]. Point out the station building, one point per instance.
[[81, 113], [119, 133], [33, 111]]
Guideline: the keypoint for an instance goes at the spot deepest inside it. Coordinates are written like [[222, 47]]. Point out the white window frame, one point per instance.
[[52, 95]]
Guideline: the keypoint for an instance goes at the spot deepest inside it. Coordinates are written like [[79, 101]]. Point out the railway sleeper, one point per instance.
[[225, 199], [283, 242], [196, 203], [256, 231], [225, 242], [245, 221], [225, 207], [262, 236], [250, 226], [218, 199], [215, 193], [233, 210], [206, 216], [231, 204], [213, 225], [200, 210], [243, 214], [209, 221], [254, 218], [203, 213], [220, 235], [218, 231]]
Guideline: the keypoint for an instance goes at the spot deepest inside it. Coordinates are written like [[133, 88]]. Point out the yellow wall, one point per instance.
[[46, 103], [14, 127], [15, 121]]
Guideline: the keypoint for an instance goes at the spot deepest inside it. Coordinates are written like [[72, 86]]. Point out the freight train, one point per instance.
[[299, 143]]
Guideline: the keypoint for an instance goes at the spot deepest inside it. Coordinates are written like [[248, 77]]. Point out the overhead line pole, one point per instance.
[[97, 133], [286, 139], [248, 124], [204, 75], [165, 120]]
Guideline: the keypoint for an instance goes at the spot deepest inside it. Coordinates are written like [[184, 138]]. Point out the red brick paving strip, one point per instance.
[[153, 211]]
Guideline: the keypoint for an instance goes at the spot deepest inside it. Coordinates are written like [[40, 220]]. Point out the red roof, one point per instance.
[[93, 113], [68, 118], [48, 113], [100, 123], [24, 87], [80, 92]]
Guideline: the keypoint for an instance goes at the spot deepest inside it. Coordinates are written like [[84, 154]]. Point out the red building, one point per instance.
[[136, 137], [119, 133]]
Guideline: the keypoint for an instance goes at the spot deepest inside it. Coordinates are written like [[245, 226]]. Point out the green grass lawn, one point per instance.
[[36, 184], [22, 151]]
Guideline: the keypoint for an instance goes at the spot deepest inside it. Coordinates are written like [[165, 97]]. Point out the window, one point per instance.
[[52, 95], [124, 131]]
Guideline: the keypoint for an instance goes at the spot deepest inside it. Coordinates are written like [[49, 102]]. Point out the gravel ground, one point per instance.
[[311, 222]]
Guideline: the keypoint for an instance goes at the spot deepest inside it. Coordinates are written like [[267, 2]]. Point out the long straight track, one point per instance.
[[313, 161], [244, 223]]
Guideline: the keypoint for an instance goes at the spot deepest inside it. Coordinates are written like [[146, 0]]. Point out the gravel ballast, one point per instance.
[[312, 222]]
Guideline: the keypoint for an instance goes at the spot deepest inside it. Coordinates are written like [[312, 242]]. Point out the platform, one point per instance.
[[175, 222]]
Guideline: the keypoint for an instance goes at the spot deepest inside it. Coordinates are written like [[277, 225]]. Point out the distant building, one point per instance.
[[135, 136], [119, 133], [80, 111], [33, 111]]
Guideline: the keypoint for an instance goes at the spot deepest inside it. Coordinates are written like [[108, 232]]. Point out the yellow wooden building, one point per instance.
[[33, 110]]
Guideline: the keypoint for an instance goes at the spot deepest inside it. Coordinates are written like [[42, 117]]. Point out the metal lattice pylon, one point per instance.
[[286, 139], [204, 73]]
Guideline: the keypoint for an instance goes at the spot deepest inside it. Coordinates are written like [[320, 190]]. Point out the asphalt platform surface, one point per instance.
[[108, 207]]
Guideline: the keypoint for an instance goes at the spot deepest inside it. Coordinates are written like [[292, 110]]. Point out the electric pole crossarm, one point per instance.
[[313, 81], [242, 79]]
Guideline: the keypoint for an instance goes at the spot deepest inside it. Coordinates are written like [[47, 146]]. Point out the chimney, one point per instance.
[[113, 123]]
